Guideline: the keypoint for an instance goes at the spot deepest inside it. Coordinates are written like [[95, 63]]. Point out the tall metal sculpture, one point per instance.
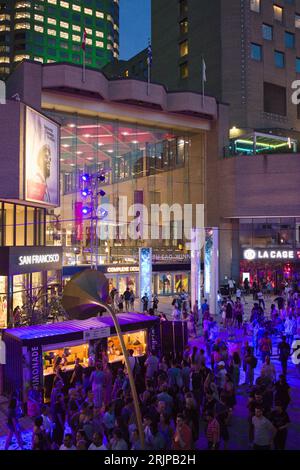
[[84, 295]]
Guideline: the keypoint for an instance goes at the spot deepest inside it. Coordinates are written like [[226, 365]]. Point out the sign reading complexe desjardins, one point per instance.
[[22, 260]]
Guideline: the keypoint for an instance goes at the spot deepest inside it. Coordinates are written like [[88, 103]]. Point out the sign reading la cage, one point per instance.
[[252, 254]]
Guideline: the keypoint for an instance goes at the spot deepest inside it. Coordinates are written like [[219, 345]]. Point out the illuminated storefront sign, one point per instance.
[[39, 259], [36, 366], [123, 269], [252, 254]]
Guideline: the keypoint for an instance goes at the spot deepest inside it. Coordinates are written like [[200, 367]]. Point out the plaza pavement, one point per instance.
[[238, 429]]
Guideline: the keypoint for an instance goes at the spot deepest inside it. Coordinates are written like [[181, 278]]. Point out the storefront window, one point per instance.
[[165, 284], [20, 290], [112, 283], [20, 225], [1, 223], [37, 284], [3, 302], [135, 341], [127, 281], [9, 224], [181, 282], [30, 226]]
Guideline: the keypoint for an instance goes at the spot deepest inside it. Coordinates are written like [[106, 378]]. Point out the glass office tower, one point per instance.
[[52, 31]]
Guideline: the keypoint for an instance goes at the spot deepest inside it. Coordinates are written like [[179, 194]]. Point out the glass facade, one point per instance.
[[266, 233], [147, 165]]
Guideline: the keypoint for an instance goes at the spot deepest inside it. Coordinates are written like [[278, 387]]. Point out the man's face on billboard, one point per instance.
[[45, 161]]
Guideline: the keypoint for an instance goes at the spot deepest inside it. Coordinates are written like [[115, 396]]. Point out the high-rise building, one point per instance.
[[251, 49], [53, 31]]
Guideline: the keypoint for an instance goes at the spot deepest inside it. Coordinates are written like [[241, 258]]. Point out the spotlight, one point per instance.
[[85, 177], [84, 192], [85, 210], [102, 193]]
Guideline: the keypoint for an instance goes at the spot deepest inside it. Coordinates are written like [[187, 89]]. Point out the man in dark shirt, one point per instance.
[[280, 419], [284, 351]]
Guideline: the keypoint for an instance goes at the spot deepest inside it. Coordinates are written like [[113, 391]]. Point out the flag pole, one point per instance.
[[203, 81], [83, 66]]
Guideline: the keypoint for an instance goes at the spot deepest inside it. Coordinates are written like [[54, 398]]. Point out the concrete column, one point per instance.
[[195, 267], [211, 268]]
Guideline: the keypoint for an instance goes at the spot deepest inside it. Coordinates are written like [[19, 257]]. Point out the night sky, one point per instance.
[[135, 26]]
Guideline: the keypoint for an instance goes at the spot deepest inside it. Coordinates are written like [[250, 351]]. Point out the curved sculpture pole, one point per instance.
[[130, 374]]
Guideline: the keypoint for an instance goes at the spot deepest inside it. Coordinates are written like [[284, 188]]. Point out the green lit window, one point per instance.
[[39, 29], [64, 35], [76, 38], [88, 11], [99, 14], [99, 44], [38, 18], [99, 34], [54, 2], [76, 7], [64, 4], [76, 27], [63, 24], [52, 21], [52, 32]]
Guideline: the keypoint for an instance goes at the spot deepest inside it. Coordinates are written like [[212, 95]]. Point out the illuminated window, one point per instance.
[[22, 26], [184, 70], [39, 29], [51, 32], [7, 17], [184, 26], [76, 7], [76, 28], [99, 34], [22, 15], [126, 73], [63, 24], [21, 57], [99, 14], [184, 48], [52, 21], [4, 27], [4, 59], [22, 5], [297, 21], [64, 35], [88, 11], [54, 2], [50, 61], [278, 13], [64, 4], [89, 41], [39, 59], [116, 46], [99, 44], [76, 38], [88, 31], [116, 55], [109, 46], [116, 27], [255, 5], [109, 18], [38, 18]]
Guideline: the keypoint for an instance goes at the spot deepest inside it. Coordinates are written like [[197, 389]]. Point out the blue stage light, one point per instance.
[[85, 210], [84, 192], [85, 177]]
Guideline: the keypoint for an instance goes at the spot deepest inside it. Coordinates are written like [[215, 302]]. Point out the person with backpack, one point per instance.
[[284, 351]]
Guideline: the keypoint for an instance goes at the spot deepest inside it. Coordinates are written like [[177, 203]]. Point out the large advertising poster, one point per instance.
[[41, 159]]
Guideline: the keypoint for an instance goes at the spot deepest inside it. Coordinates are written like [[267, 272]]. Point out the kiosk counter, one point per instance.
[[31, 352]]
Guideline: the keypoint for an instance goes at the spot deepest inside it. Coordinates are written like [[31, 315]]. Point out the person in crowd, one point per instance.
[[183, 438], [264, 431], [268, 370], [127, 297], [238, 313], [290, 328], [97, 443], [77, 373], [145, 302], [13, 423], [117, 441], [67, 443], [284, 352], [265, 346], [281, 421], [59, 416], [282, 392], [212, 432], [34, 401], [97, 381], [250, 363]]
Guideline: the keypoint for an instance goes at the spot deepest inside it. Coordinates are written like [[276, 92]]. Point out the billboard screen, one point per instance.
[[41, 159]]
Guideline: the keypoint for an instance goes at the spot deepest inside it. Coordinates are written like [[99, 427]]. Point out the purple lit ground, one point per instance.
[[239, 427]]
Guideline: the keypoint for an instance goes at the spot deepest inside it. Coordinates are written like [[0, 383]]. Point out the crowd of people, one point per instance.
[[183, 399]]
